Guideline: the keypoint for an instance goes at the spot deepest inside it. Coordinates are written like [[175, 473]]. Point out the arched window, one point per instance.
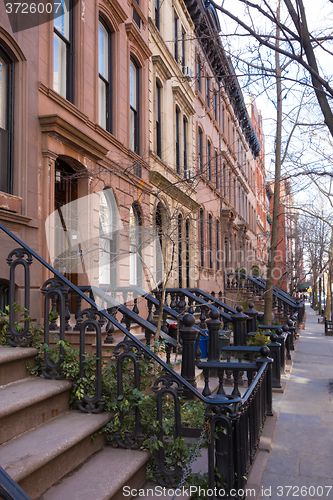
[[107, 239], [104, 76], [134, 107], [63, 51], [6, 122], [135, 239]]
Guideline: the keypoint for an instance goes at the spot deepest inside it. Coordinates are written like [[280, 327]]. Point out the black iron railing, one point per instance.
[[286, 304], [9, 489], [239, 420]]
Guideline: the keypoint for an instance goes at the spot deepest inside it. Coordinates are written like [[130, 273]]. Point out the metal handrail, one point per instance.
[[156, 302], [217, 301], [199, 301], [179, 378], [262, 284], [9, 489]]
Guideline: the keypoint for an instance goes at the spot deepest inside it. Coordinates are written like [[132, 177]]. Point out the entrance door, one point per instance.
[[66, 190]]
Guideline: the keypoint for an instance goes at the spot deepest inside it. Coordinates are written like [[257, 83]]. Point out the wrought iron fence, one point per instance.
[[234, 422]]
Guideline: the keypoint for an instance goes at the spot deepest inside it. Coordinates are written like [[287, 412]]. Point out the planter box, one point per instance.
[[10, 202]]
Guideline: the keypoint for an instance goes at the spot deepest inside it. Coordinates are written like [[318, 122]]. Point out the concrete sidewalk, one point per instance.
[[301, 453]]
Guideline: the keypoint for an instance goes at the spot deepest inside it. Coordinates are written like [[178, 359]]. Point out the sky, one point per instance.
[[304, 145]]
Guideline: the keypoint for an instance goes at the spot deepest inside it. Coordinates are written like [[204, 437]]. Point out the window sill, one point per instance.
[[9, 202]]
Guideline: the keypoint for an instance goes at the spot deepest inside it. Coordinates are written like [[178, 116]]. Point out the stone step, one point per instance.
[[103, 477], [13, 361], [40, 457], [30, 402]]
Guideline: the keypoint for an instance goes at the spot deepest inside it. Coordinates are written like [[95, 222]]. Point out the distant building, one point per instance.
[[262, 208]]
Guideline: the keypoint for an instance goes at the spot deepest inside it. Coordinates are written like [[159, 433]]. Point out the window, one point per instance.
[[215, 106], [224, 181], [134, 106], [157, 14], [235, 200], [63, 51], [175, 27], [207, 92], [210, 239], [135, 240], [158, 121], [183, 47], [187, 229], [216, 171], [202, 257], [217, 244], [185, 143], [222, 118], [180, 251], [229, 187], [177, 140], [208, 161], [107, 239], [104, 77], [6, 122], [136, 17], [199, 74], [200, 150]]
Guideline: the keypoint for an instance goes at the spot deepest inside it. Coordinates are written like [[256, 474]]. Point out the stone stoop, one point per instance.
[[42, 441]]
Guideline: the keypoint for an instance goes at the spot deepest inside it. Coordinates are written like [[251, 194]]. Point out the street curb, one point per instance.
[[265, 444]]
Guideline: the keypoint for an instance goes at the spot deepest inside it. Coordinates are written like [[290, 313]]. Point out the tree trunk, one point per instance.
[[276, 199]]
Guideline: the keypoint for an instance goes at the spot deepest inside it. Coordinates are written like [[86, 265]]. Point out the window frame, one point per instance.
[[210, 240], [217, 244], [177, 133], [175, 34], [202, 245], [207, 92], [199, 74], [183, 40], [200, 149], [70, 52], [185, 125], [108, 82], [9, 118], [209, 171], [136, 131], [158, 118], [157, 15]]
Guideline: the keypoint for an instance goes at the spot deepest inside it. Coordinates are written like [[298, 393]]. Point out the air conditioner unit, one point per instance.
[[189, 175], [187, 72], [258, 217]]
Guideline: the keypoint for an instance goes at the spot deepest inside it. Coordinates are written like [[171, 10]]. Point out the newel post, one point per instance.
[[264, 351], [214, 326], [240, 332], [252, 321], [188, 335]]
